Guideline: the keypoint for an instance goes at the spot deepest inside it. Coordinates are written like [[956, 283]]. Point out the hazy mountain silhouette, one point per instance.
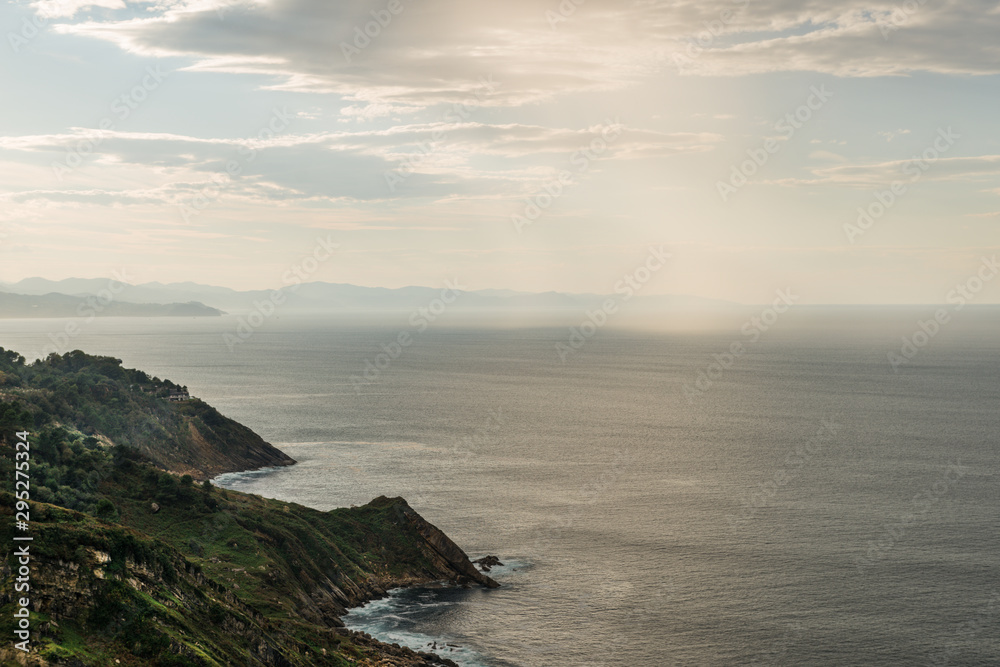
[[321, 297]]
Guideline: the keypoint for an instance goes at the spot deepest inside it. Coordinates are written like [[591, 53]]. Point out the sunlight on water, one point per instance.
[[641, 526]]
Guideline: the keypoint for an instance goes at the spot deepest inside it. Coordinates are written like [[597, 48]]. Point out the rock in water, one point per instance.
[[486, 563]]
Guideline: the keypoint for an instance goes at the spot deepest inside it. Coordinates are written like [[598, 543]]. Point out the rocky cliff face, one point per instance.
[[211, 444], [446, 553]]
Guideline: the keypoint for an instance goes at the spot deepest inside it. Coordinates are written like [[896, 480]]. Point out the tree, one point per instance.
[[106, 510]]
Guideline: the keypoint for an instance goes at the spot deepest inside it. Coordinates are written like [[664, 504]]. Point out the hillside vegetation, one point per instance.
[[98, 397], [134, 564]]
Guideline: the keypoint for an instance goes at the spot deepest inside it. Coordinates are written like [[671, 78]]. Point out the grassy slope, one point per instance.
[[219, 577], [208, 558], [117, 594]]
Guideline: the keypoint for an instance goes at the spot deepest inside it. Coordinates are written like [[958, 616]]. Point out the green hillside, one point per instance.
[[136, 565], [99, 397]]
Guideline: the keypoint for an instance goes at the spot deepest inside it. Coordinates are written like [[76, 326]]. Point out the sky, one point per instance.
[[847, 151]]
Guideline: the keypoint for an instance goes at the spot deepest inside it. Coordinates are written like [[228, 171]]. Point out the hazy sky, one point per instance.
[[532, 145]]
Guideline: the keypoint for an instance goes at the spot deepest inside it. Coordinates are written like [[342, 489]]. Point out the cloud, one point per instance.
[[882, 173], [892, 134], [431, 52], [69, 8], [435, 51], [827, 156], [439, 160], [851, 39], [376, 110], [506, 140], [519, 140], [92, 196]]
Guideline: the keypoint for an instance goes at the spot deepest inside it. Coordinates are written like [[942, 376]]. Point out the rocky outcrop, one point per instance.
[[394, 654], [449, 553], [212, 444], [487, 563], [419, 554]]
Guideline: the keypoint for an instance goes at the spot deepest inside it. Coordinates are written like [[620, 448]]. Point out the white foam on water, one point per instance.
[[382, 619]]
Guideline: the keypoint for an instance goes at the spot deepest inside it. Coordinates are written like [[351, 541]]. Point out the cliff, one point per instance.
[[135, 565], [97, 396]]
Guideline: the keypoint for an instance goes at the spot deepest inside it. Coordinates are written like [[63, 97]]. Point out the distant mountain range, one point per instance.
[[63, 305], [193, 299]]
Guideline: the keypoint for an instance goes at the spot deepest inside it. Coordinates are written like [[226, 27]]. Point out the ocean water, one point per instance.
[[811, 506]]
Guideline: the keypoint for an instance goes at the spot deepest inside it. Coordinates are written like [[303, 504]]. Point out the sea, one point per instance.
[[819, 488]]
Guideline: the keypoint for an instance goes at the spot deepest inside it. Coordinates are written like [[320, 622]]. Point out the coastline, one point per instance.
[[378, 589], [411, 617], [144, 563]]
